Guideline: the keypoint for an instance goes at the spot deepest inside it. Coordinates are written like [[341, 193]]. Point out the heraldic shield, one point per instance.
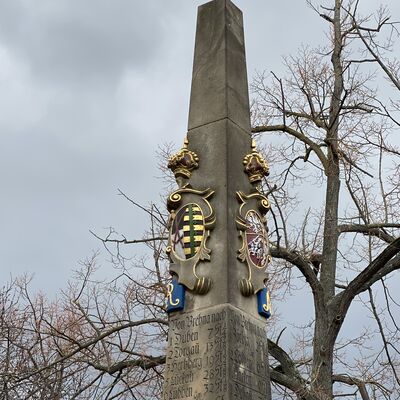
[[191, 219], [255, 246]]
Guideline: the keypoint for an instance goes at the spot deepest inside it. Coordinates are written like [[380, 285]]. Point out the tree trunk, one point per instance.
[[323, 343]]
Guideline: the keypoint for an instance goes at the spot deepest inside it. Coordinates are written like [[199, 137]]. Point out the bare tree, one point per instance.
[[340, 125], [100, 339]]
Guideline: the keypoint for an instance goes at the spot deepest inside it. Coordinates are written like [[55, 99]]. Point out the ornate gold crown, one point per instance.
[[183, 162], [254, 165]]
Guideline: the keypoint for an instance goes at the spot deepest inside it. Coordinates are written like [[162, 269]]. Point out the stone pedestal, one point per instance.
[[217, 353]]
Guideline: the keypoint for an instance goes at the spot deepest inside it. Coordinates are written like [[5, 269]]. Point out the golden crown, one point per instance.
[[254, 165], [183, 162]]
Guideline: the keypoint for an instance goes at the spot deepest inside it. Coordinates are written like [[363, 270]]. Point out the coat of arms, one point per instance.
[[255, 246]]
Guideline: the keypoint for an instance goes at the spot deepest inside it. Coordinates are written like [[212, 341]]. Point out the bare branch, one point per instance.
[[298, 135]]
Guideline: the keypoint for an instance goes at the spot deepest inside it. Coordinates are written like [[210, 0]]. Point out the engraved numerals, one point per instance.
[[197, 357], [216, 355], [249, 358]]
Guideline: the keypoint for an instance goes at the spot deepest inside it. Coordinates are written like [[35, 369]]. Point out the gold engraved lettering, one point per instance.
[[169, 295]]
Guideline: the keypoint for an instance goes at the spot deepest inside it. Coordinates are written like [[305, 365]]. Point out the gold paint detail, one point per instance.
[[186, 268], [183, 162], [255, 165], [195, 218], [171, 301], [253, 203], [175, 198], [195, 227], [246, 287], [268, 306]]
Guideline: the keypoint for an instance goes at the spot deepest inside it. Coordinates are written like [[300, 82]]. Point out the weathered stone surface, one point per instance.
[[219, 85], [219, 132], [217, 346], [219, 353], [221, 147]]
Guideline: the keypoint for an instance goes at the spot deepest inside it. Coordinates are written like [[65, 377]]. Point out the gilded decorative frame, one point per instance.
[[186, 269], [256, 275]]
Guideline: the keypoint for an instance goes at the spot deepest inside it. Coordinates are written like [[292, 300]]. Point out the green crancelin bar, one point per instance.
[[192, 238]]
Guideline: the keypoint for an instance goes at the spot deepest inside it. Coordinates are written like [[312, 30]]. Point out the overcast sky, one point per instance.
[[88, 90]]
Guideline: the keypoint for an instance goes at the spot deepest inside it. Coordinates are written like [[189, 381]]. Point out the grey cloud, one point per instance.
[[91, 89], [78, 41]]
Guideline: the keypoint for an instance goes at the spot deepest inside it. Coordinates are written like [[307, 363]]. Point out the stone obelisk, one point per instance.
[[218, 246]]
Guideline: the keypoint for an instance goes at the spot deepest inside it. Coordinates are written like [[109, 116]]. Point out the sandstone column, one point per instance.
[[218, 246]]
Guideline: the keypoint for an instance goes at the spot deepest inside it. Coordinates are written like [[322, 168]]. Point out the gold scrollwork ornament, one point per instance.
[[254, 251], [191, 219]]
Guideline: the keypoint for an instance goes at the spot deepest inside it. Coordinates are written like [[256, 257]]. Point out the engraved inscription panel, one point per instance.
[[248, 354], [216, 354], [197, 356]]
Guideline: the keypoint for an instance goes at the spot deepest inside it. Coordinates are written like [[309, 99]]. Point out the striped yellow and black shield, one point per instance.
[[187, 231]]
